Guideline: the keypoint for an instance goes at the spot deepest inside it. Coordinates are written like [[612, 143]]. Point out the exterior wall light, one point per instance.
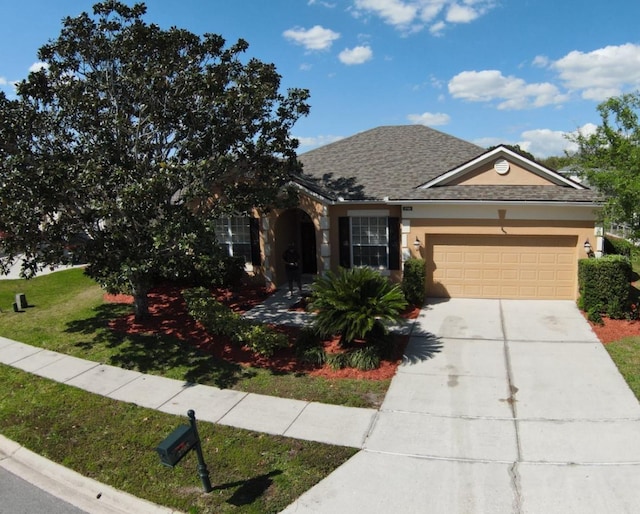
[[416, 243], [587, 248]]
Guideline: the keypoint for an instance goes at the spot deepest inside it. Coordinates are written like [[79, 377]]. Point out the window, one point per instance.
[[234, 234], [370, 241], [369, 238]]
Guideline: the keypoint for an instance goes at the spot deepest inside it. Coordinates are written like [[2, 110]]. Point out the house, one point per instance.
[[489, 224]]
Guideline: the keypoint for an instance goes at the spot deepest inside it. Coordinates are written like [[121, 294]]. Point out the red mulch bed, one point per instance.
[[169, 316], [615, 329]]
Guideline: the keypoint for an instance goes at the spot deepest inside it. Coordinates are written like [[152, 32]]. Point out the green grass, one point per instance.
[[114, 443], [69, 316], [626, 355]]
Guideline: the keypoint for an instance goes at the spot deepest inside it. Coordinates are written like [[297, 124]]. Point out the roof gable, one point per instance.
[[501, 167]]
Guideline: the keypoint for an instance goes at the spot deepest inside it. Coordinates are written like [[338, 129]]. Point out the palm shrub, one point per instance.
[[355, 303]]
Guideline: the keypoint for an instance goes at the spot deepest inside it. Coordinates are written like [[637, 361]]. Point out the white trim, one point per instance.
[[501, 150], [512, 212]]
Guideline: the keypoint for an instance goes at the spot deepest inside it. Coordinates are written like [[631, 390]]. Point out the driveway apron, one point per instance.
[[499, 406]]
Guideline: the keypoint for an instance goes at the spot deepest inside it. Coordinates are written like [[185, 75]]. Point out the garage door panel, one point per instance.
[[527, 274], [509, 274], [510, 258], [503, 266]]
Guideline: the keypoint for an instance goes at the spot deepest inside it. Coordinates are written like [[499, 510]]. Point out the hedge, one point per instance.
[[618, 246], [413, 281], [604, 286]]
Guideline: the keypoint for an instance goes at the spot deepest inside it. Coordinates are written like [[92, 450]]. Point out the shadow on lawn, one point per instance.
[[152, 352], [248, 490]]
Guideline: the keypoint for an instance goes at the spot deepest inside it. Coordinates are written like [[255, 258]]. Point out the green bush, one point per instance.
[[365, 358], [218, 319], [309, 347], [604, 285], [413, 281], [619, 246], [264, 340], [315, 355], [354, 303], [338, 361]]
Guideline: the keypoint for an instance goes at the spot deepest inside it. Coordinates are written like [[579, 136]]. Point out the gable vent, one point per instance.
[[501, 166]]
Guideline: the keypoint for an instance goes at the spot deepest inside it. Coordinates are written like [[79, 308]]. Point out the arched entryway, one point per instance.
[[295, 226]]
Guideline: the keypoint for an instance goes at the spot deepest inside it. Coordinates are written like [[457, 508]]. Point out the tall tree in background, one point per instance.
[[610, 159], [124, 134]]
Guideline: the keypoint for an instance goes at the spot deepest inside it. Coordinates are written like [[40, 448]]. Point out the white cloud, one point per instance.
[[429, 119], [3, 81], [413, 15], [356, 55], [461, 14], [315, 38], [601, 73], [37, 66], [541, 61], [393, 12], [512, 93], [545, 142], [542, 142], [308, 143], [437, 28], [323, 4]]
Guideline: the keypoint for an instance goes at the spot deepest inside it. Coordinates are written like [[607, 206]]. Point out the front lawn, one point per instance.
[[626, 355], [114, 443], [69, 315]]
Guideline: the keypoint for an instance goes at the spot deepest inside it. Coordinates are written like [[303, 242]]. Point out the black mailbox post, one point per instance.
[[178, 443]]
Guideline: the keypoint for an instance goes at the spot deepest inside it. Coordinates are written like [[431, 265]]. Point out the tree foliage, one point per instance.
[[137, 137], [517, 149], [609, 158]]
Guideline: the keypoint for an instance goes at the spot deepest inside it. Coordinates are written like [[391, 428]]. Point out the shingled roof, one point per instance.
[[392, 162], [384, 161]]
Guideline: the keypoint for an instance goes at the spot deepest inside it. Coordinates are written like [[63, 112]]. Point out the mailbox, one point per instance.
[[176, 445]]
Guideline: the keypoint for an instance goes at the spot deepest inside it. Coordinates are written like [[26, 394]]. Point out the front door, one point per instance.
[[308, 247]]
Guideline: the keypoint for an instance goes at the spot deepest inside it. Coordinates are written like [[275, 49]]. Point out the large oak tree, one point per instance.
[[137, 137]]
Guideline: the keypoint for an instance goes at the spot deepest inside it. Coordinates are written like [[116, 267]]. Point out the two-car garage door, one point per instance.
[[473, 266]]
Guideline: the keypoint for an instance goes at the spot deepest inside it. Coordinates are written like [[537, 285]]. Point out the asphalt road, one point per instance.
[[20, 497]]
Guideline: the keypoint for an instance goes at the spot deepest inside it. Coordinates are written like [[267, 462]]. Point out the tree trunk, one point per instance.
[[140, 291]]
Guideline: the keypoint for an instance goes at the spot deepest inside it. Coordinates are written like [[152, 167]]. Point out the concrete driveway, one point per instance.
[[499, 406]]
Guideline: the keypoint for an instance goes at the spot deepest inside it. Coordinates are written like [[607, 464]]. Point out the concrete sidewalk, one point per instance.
[[332, 424]]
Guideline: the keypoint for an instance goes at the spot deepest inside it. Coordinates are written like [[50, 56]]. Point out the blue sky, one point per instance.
[[489, 71]]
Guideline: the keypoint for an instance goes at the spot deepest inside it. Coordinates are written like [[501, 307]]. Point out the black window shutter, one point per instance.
[[344, 240], [254, 232], [394, 243]]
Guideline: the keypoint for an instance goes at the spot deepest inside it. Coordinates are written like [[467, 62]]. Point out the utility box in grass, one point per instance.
[[176, 445], [21, 301]]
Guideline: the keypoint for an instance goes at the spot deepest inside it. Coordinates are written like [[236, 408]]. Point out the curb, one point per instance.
[[84, 493]]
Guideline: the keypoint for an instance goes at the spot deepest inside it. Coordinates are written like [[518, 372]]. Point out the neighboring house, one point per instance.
[[489, 224]]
